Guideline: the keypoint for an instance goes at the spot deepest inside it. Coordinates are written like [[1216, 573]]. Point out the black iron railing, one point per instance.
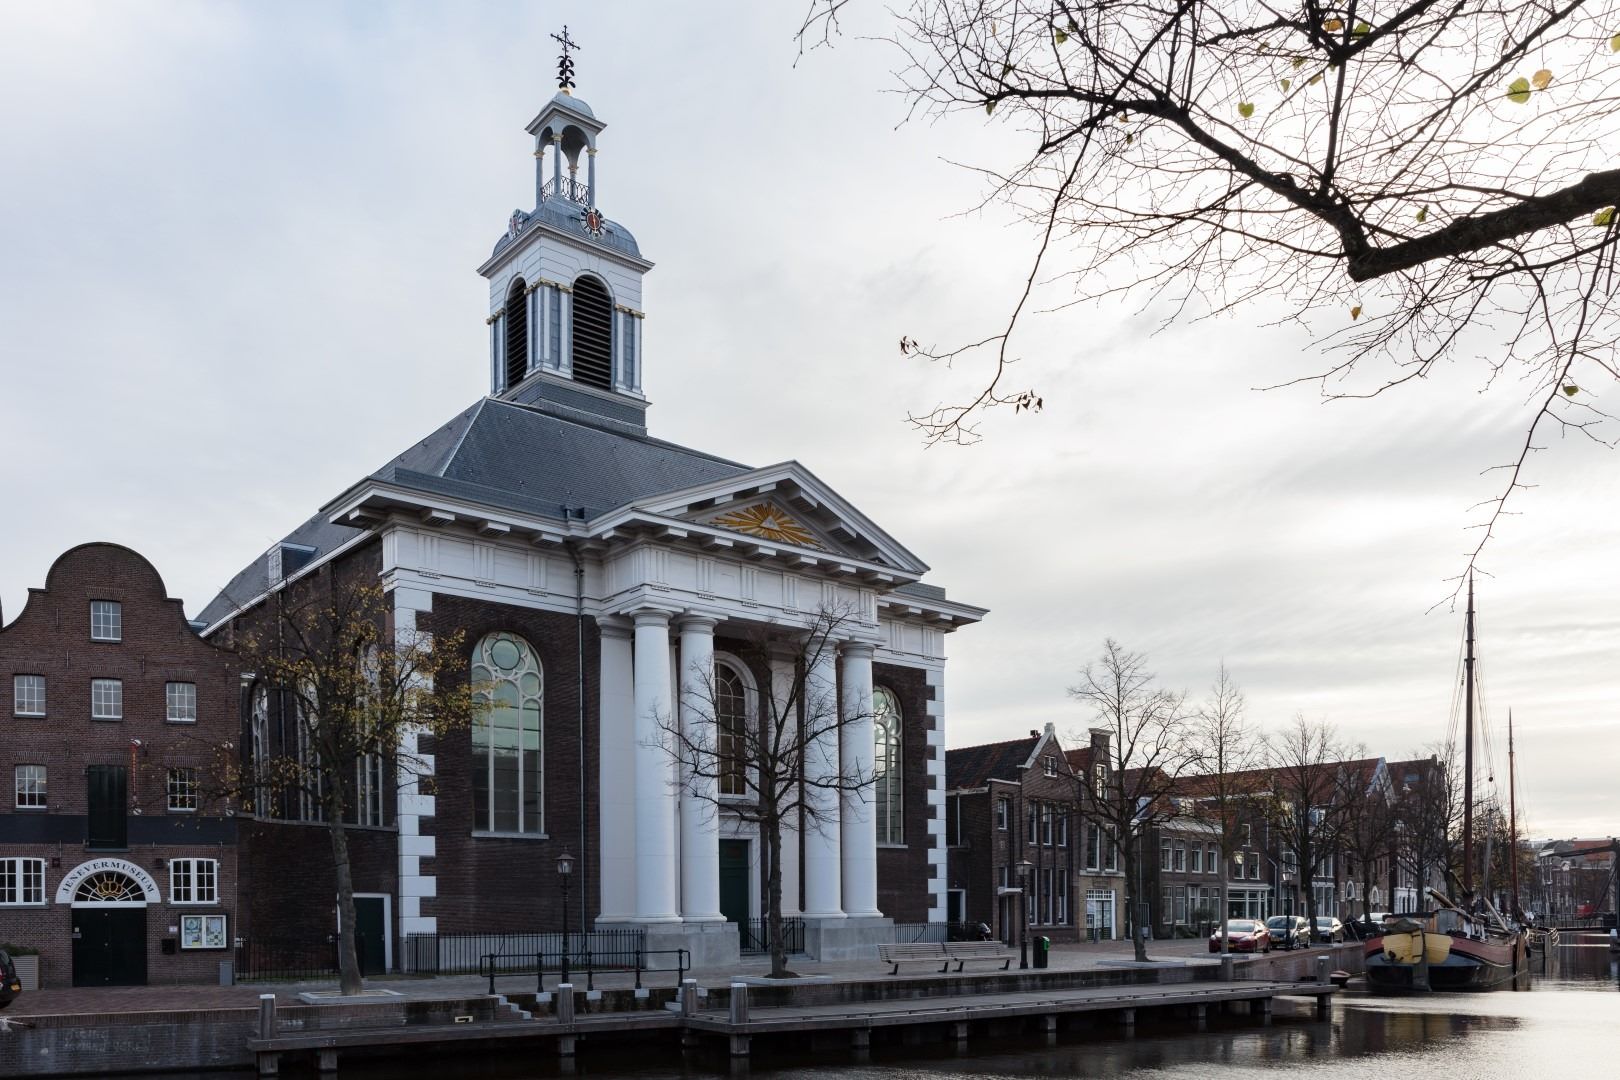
[[563, 187], [754, 936], [260, 959], [925, 933], [566, 967], [462, 954]]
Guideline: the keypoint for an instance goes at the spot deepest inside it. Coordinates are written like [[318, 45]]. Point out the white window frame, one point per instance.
[[35, 786], [18, 682], [1049, 765], [22, 882], [186, 882], [106, 620], [100, 701], [1003, 804], [188, 788], [180, 702]]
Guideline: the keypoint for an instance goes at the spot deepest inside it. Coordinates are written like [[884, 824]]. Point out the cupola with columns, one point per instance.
[[565, 282]]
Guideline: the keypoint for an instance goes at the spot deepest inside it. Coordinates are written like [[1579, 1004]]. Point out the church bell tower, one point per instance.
[[565, 282]]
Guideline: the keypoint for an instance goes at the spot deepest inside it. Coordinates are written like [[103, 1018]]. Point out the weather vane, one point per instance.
[[565, 62]]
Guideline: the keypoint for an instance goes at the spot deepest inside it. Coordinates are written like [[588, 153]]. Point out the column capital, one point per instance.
[[615, 626], [695, 621], [857, 649], [651, 615]]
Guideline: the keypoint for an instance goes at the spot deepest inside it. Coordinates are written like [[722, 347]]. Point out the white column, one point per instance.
[[700, 814], [859, 834], [781, 690], [616, 768], [823, 892], [656, 872]]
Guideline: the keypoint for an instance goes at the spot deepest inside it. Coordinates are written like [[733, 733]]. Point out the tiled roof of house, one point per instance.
[[971, 766]]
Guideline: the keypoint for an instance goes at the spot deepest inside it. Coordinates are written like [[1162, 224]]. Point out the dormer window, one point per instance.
[[591, 333], [517, 333]]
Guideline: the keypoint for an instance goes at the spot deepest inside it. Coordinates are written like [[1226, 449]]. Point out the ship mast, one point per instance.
[[1468, 749], [1513, 822]]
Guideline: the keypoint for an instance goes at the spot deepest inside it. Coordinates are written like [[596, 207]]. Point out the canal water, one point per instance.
[[1568, 1025]]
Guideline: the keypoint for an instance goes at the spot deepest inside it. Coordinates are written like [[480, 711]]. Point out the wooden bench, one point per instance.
[[921, 953], [960, 952]]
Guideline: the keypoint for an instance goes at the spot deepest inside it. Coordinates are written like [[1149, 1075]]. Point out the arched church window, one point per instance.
[[591, 323], [517, 333], [731, 723], [259, 734], [888, 794], [506, 736]]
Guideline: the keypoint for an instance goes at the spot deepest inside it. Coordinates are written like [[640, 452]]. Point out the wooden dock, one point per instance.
[[955, 1019]]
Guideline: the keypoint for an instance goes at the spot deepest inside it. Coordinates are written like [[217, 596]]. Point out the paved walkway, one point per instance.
[[167, 998]]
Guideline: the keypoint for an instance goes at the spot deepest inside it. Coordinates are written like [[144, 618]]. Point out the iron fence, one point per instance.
[[924, 933], [463, 954], [566, 968], [261, 959], [754, 936]]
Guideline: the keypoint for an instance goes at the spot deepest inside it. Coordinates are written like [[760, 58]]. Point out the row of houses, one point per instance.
[[1022, 842]]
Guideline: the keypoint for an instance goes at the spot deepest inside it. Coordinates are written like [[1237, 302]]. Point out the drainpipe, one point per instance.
[[579, 691]]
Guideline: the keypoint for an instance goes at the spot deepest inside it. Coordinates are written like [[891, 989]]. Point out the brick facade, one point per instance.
[[904, 877], [51, 637]]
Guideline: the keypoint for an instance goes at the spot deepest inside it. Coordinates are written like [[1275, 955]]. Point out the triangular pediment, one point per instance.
[[786, 505]]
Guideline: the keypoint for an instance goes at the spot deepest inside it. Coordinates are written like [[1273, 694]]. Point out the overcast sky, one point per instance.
[[237, 254]]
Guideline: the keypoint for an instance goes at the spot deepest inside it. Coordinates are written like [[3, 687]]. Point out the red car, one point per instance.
[[1242, 935]]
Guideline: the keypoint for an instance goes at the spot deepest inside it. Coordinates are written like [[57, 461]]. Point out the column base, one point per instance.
[[846, 937], [708, 944]]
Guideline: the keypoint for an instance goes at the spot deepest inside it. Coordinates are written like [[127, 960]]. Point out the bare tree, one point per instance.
[[354, 700], [1148, 751], [1429, 809], [780, 769], [1304, 768], [1229, 754], [1412, 182], [1366, 815]]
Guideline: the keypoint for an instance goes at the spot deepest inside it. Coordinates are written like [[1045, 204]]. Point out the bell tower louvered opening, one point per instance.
[[517, 333], [592, 337]]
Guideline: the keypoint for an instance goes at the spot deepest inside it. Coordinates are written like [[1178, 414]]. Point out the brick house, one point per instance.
[[113, 862], [1008, 803], [604, 580], [1100, 883], [1185, 896]]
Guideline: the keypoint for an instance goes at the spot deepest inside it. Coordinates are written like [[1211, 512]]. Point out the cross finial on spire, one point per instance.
[[565, 62]]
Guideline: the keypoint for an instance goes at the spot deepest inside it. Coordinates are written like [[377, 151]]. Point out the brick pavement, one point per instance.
[[124, 999]]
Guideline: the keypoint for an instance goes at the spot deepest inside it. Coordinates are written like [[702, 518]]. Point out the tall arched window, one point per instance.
[[731, 723], [506, 736], [888, 794], [259, 733], [591, 325], [517, 333]]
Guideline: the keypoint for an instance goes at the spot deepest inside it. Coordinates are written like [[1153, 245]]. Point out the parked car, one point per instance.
[[10, 984], [1242, 935], [1289, 931], [1328, 930]]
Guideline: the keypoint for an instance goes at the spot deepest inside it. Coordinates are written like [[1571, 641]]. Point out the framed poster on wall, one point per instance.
[[203, 932]]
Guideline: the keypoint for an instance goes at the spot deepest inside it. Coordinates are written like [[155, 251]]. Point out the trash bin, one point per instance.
[[1043, 950]]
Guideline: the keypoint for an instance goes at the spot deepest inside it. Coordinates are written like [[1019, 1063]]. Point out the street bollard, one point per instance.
[[739, 1003], [689, 997], [1322, 969], [267, 1016], [565, 1003], [1228, 968]]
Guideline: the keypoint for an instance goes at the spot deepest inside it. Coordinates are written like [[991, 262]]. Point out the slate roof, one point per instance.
[[971, 766], [515, 457]]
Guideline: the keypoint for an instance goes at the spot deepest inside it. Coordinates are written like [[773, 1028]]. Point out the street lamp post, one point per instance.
[[1024, 867], [565, 870]]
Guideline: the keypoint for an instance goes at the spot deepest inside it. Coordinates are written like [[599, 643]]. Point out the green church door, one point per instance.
[[734, 891]]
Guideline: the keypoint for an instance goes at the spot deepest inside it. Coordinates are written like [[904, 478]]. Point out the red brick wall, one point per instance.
[[904, 877], [498, 883], [51, 637]]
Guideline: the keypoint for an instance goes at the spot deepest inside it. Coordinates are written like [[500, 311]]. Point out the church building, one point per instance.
[[601, 577]]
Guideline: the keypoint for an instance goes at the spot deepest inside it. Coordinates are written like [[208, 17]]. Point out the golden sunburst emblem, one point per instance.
[[768, 523]]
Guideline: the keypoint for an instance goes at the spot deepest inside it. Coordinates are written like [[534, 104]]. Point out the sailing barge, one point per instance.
[[1453, 948]]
